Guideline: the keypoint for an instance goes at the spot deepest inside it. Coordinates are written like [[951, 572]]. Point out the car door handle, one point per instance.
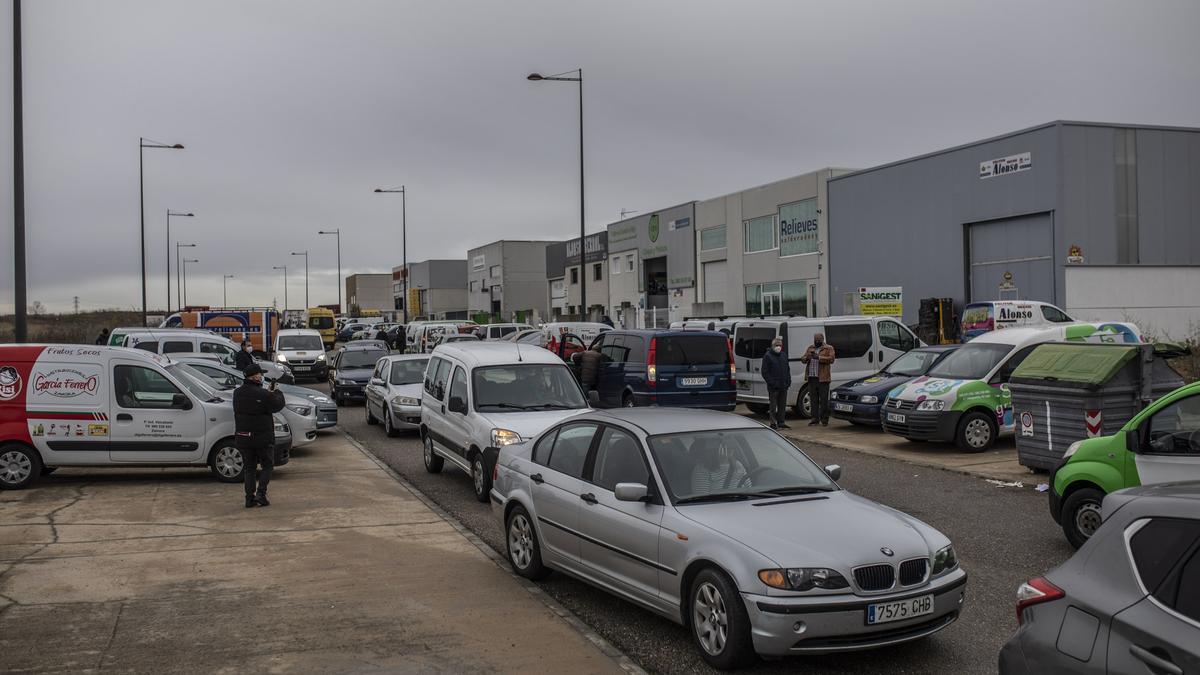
[[871, 357], [589, 498], [1156, 662], [537, 478], [124, 417], [881, 356]]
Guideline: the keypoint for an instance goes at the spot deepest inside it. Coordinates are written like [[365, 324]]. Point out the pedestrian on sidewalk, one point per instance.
[[102, 338], [777, 373], [254, 432], [243, 359], [817, 360]]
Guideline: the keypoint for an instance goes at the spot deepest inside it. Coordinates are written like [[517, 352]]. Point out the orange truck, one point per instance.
[[259, 325]]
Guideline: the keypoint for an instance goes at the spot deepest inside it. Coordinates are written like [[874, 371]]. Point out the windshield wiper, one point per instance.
[[722, 496], [801, 490], [552, 406], [507, 406]]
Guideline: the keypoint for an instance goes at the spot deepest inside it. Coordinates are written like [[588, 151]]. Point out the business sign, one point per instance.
[[668, 233], [595, 249], [652, 229], [881, 301], [798, 228], [679, 223], [478, 262], [1005, 165]]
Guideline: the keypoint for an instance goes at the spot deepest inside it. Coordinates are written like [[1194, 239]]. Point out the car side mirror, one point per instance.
[[631, 492], [1133, 440], [458, 405], [181, 401], [834, 471], [376, 382], [593, 398]]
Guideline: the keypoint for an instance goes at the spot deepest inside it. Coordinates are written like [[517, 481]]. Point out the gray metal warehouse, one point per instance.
[[1095, 218]]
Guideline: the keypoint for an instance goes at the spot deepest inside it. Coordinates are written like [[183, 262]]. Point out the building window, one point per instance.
[[474, 286], [798, 228], [615, 265], [597, 272], [773, 299], [574, 275], [758, 234], [494, 272], [629, 262], [712, 238]]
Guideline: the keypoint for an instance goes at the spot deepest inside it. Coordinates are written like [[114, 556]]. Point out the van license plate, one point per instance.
[[895, 417], [299, 369], [899, 610], [843, 407], [693, 381]]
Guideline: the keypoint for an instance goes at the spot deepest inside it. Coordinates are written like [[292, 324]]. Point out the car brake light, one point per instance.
[[1034, 592], [732, 364], [651, 369]]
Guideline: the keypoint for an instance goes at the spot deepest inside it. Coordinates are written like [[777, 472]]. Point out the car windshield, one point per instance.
[[361, 358], [320, 322], [970, 362], [915, 362], [300, 342], [219, 379], [409, 371], [198, 386], [536, 386], [692, 350], [734, 464]]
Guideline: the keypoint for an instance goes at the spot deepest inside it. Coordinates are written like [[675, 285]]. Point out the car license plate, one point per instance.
[[899, 610], [843, 407], [895, 417], [693, 381], [299, 369]]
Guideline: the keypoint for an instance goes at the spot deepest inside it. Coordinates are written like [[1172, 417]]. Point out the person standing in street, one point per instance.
[[817, 360], [243, 359], [102, 338], [777, 373], [590, 362], [254, 432]]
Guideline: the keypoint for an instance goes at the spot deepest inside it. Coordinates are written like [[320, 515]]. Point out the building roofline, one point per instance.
[[778, 180], [648, 213], [1011, 134]]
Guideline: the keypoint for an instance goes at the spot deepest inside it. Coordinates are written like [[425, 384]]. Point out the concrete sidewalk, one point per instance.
[[346, 571]]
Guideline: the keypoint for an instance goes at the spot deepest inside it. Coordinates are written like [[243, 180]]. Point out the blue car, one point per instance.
[[860, 401], [689, 369]]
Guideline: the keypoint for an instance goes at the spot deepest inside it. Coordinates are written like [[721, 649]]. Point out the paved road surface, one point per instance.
[[1003, 536]]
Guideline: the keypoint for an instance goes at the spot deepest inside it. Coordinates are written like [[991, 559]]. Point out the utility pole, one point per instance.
[[77, 304], [337, 232], [20, 310]]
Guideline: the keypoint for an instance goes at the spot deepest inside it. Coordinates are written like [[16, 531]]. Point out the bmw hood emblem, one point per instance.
[[887, 551]]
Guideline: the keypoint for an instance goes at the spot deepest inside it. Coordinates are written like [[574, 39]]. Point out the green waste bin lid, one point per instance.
[[1089, 364]]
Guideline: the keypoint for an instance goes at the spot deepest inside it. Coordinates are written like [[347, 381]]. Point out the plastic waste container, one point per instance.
[[1066, 392]]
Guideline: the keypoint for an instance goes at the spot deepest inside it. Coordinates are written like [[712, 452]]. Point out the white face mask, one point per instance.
[[778, 349]]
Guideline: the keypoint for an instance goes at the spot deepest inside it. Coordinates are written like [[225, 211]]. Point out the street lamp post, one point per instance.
[[142, 145], [403, 245], [185, 264], [20, 310], [285, 300], [225, 291], [305, 254], [534, 77], [172, 214], [338, 233], [178, 281]]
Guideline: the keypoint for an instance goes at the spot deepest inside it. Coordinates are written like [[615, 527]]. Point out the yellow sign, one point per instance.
[[881, 301]]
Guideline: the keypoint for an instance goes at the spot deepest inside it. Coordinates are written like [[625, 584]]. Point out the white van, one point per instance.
[[982, 317], [863, 345], [80, 405], [303, 352], [183, 340], [495, 331]]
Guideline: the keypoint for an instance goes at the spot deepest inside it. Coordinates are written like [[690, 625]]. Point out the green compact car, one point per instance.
[[1161, 444]]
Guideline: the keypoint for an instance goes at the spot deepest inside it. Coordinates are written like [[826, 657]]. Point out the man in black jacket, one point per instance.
[[244, 358], [777, 373], [253, 410]]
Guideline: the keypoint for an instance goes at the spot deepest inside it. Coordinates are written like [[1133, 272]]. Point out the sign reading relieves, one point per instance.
[[1005, 165], [881, 301], [798, 230]]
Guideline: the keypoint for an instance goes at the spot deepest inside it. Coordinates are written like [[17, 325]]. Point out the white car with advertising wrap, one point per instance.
[[965, 397]]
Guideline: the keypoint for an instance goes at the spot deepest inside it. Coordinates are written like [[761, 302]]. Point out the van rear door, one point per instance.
[[153, 419], [693, 370], [751, 340]]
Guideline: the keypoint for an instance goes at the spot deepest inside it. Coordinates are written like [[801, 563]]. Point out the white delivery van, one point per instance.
[[183, 340], [863, 345], [303, 352], [983, 317], [80, 405]]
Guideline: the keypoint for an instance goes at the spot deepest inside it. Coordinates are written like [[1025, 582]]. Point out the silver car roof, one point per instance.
[[475, 353], [654, 421]]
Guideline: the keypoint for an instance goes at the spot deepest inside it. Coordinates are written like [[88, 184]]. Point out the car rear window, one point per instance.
[[753, 343], [691, 350]]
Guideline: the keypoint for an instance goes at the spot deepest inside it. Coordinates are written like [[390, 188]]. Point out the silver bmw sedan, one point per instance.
[[725, 527]]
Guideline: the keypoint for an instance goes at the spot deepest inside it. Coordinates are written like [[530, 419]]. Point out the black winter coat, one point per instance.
[[242, 359], [253, 406], [776, 370]]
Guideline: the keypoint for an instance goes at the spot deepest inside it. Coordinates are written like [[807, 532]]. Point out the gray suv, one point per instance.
[[1127, 602]]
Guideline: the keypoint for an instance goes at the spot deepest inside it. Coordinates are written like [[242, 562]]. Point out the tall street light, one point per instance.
[[403, 245], [185, 264], [178, 281], [284, 268], [142, 145], [225, 291], [20, 309], [338, 233], [534, 77], [172, 214], [305, 254]]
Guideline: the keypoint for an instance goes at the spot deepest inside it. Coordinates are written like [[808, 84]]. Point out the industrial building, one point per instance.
[[1102, 220], [652, 267], [506, 280], [368, 291], [437, 289]]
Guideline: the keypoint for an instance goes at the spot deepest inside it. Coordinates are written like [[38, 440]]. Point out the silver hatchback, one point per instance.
[[722, 525]]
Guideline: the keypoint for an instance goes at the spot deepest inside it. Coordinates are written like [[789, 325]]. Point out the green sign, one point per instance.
[[654, 228]]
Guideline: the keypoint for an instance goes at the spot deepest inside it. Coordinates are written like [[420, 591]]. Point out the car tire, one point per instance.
[[803, 405], [481, 478], [371, 419], [20, 466], [227, 462], [522, 547], [976, 432], [389, 427], [758, 408], [433, 461], [1081, 515], [718, 621]]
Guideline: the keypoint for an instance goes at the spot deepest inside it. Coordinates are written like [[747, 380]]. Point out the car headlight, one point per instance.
[[803, 578], [301, 410], [503, 437], [944, 560], [1072, 448], [282, 358], [931, 404], [868, 399], [833, 396], [406, 400]]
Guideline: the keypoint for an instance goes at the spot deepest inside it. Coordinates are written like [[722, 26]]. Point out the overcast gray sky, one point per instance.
[[293, 111]]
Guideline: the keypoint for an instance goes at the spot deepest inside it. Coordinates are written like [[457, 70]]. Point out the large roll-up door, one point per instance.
[[1023, 247], [714, 281]]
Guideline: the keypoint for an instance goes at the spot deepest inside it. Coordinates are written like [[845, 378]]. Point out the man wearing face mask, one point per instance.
[[244, 358], [817, 359], [254, 432], [777, 373]]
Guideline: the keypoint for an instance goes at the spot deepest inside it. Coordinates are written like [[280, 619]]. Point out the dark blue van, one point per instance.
[[860, 401], [690, 369]]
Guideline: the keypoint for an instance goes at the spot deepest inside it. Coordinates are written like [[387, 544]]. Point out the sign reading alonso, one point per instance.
[[1006, 165]]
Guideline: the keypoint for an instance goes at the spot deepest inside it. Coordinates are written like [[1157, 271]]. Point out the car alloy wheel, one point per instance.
[[520, 541], [1088, 518], [710, 619], [229, 462], [388, 427], [433, 463], [15, 467]]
